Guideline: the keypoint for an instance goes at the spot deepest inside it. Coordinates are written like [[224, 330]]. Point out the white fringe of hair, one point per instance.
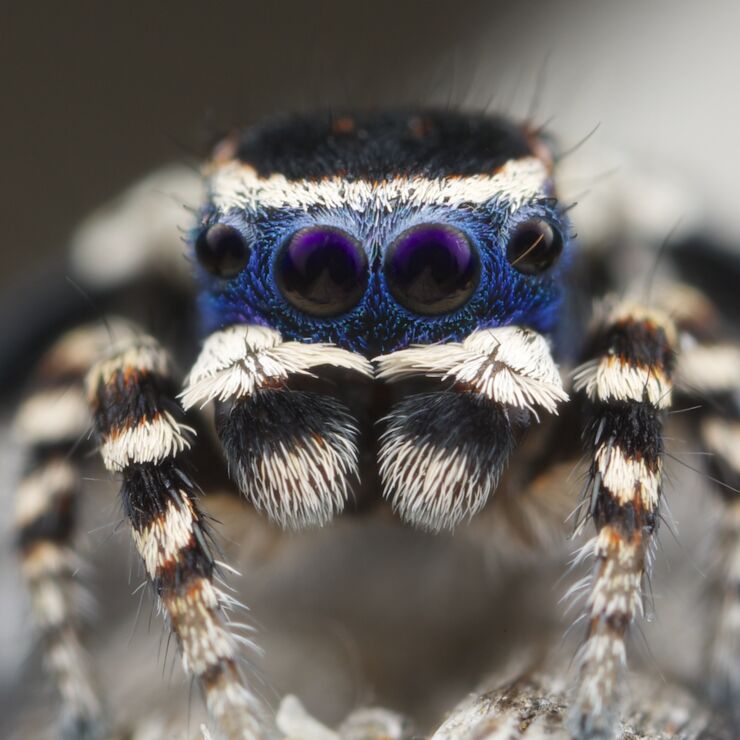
[[236, 185], [236, 361], [510, 365]]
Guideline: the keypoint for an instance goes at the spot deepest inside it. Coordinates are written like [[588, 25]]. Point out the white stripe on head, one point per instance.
[[236, 361], [510, 365], [237, 185]]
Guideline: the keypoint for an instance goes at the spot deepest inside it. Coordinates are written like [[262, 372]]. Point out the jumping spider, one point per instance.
[[381, 302]]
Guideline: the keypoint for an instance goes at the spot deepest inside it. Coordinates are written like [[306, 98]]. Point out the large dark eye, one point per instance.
[[534, 245], [432, 269], [221, 249], [322, 271]]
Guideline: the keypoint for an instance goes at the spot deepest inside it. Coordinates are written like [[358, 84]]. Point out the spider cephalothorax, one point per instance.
[[417, 260], [383, 231], [379, 231]]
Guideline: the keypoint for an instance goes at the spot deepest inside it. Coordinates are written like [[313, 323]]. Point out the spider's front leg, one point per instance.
[[144, 440], [628, 385]]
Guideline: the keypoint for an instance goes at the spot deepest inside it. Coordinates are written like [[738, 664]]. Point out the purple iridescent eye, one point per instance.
[[322, 271], [432, 269]]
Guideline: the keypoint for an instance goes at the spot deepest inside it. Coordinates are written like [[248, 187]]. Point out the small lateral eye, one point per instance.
[[432, 269], [322, 271], [534, 245], [222, 250]]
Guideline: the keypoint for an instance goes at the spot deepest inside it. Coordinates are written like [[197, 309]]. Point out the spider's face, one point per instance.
[[375, 232]]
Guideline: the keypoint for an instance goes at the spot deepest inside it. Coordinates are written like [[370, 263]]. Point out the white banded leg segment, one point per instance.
[[708, 369], [143, 438], [293, 454], [615, 600], [50, 422], [443, 453], [632, 358], [56, 412], [129, 392], [170, 535], [623, 496]]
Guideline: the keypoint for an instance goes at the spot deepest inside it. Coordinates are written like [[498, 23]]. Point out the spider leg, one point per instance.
[[51, 422], [144, 440], [721, 436], [708, 375], [627, 382]]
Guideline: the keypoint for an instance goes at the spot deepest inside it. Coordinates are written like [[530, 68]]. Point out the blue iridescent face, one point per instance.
[[375, 252]]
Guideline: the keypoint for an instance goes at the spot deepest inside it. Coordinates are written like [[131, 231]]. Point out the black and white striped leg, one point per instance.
[[724, 644], [443, 453], [144, 440], [51, 422], [292, 453], [628, 384], [708, 379]]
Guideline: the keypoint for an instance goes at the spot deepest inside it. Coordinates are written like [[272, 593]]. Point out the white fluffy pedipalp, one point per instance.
[[293, 454], [441, 457], [237, 361], [510, 365]]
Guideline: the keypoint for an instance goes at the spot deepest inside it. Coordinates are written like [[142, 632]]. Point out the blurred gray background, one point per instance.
[[96, 96]]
